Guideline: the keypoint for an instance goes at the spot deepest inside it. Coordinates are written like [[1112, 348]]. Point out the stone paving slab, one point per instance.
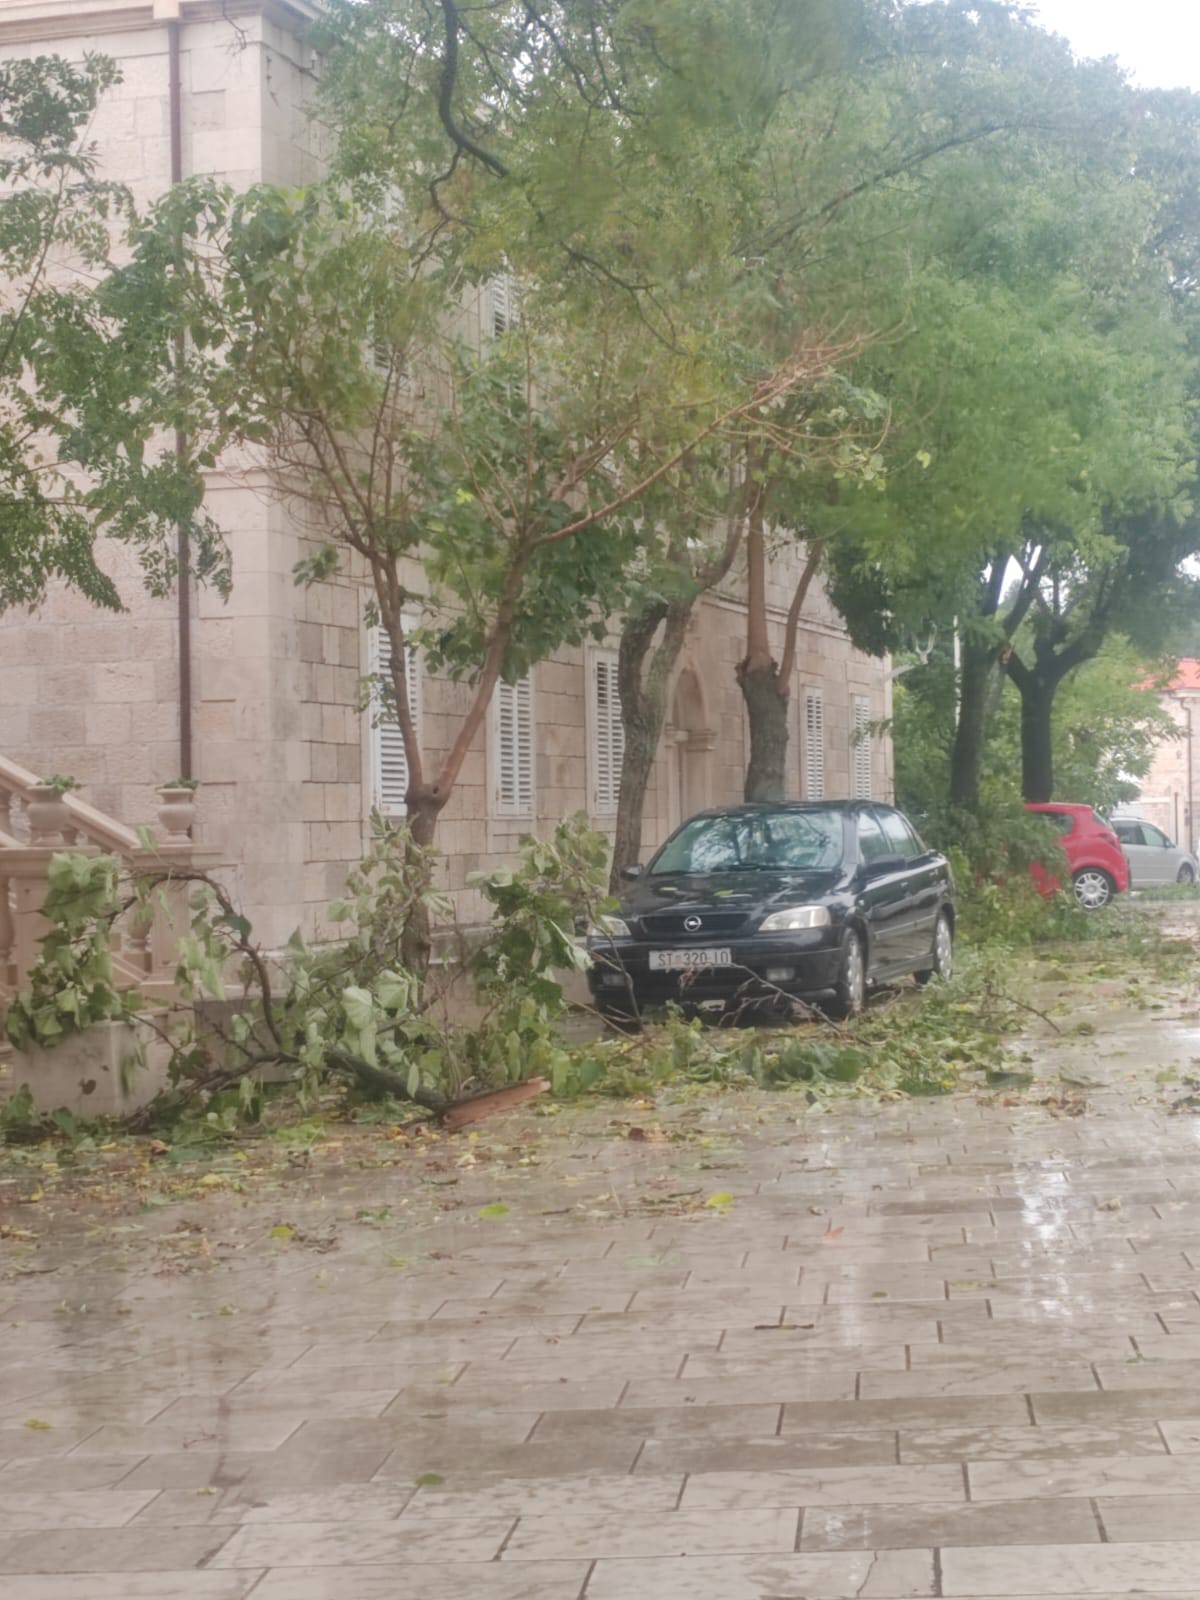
[[886, 1575], [929, 1349], [155, 1585], [1076, 1570]]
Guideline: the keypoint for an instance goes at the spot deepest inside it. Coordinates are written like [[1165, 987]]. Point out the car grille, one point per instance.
[[672, 923]]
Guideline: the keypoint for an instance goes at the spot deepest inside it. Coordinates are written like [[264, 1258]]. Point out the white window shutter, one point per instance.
[[503, 312], [389, 764], [513, 748], [382, 357], [814, 744], [860, 749], [608, 735], [381, 350]]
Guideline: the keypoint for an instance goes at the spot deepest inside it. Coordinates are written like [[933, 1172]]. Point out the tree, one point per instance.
[[873, 183], [720, 517], [493, 491], [1046, 383], [1139, 586], [1106, 725], [653, 632], [83, 393]]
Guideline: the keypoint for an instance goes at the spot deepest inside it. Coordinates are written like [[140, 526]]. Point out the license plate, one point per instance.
[[688, 960]]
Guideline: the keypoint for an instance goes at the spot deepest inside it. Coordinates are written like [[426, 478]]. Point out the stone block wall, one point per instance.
[[96, 695]]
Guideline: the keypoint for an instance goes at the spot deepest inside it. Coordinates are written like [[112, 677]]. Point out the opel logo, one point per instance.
[[692, 924]]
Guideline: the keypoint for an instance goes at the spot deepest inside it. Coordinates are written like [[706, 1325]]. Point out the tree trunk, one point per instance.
[[767, 711], [416, 942], [644, 673], [978, 664], [765, 694], [637, 766], [1037, 745], [1038, 686]]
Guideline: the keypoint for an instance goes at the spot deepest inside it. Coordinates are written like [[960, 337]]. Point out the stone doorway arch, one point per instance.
[[690, 740]]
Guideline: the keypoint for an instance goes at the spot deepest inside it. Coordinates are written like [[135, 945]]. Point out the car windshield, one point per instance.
[[767, 841]]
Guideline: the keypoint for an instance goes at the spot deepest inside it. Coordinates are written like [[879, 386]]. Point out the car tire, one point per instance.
[[942, 954], [850, 990], [1186, 874], [1093, 887]]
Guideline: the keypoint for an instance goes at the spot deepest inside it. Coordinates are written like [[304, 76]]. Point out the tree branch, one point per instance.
[[816, 550], [446, 86]]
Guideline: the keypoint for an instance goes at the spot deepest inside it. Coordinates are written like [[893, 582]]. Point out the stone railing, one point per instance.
[[37, 822]]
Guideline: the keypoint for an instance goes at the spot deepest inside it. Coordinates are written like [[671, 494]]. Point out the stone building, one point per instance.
[[269, 680], [1172, 786]]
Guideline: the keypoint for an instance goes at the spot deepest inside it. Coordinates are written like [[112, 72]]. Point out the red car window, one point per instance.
[[1062, 822]]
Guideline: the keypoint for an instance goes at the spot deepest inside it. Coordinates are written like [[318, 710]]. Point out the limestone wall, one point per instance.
[[97, 695]]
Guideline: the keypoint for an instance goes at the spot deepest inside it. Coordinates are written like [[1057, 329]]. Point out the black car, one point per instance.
[[760, 902]]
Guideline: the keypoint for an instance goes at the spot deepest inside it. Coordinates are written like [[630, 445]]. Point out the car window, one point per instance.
[[900, 837], [1062, 822], [1128, 832], [789, 841], [1155, 836], [871, 842]]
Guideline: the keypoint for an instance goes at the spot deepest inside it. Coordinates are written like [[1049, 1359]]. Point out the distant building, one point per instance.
[[1171, 791]]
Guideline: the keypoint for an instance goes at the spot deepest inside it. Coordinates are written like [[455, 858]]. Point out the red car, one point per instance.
[[1098, 866]]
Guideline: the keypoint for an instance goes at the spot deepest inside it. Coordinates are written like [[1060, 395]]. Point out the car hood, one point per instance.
[[725, 891]]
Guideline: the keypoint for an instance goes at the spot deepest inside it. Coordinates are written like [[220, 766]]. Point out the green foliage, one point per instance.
[[1106, 726], [1107, 723], [349, 1009], [85, 396], [72, 985], [18, 1117], [919, 1045]]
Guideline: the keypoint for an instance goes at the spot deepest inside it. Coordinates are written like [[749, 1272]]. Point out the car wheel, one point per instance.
[[942, 953], [1187, 874], [1093, 888], [850, 990]]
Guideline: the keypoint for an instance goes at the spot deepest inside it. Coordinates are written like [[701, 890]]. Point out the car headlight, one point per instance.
[[608, 928], [795, 918]]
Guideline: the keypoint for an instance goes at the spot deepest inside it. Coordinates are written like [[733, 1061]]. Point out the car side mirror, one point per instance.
[[635, 870]]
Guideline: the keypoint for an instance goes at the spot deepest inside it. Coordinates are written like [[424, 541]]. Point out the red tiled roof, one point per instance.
[[1187, 675]]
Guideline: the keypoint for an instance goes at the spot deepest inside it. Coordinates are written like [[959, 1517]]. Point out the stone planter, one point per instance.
[[47, 813], [90, 1074], [177, 812]]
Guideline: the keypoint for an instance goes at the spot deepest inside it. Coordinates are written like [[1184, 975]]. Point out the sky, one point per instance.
[[1156, 41]]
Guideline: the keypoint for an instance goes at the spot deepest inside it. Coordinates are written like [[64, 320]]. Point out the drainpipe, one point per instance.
[[183, 554]]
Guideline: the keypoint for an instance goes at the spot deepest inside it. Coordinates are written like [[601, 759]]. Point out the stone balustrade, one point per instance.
[[37, 821]]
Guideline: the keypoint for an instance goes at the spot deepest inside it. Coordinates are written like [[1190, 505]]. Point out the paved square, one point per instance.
[[924, 1348]]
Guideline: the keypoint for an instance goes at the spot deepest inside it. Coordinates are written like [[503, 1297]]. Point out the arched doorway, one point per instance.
[[689, 743]]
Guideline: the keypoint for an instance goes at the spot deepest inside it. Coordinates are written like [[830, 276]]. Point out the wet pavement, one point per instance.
[[946, 1347]]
